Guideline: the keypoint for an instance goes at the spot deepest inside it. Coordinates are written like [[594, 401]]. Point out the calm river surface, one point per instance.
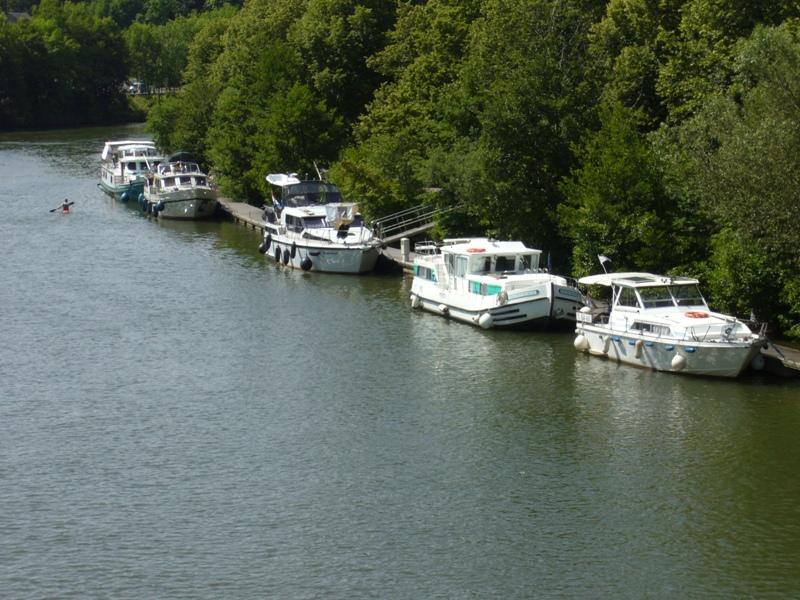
[[180, 418]]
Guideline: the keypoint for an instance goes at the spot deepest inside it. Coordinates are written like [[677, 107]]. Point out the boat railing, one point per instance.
[[409, 220], [426, 247]]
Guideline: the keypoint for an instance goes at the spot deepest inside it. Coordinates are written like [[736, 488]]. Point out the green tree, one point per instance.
[[615, 203], [388, 167], [334, 39], [523, 80], [738, 156]]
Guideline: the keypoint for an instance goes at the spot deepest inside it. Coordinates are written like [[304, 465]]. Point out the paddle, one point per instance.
[[62, 206]]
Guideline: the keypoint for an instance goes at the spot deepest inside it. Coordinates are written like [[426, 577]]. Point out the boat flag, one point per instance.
[[603, 260]]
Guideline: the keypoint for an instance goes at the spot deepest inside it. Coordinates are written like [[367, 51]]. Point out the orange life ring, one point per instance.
[[476, 249], [694, 314]]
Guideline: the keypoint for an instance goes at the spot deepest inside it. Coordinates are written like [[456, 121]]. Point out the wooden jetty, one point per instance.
[[781, 360], [244, 213]]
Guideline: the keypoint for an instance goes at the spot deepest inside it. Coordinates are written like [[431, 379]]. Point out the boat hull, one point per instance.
[[187, 205], [327, 258], [123, 192], [547, 307], [717, 359]]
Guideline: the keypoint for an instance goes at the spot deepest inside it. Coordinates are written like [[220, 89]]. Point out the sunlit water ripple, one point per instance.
[[180, 418]]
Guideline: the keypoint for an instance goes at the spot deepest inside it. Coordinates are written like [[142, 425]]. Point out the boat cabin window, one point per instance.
[[525, 262], [314, 222], [294, 223], [688, 295], [653, 328], [627, 297], [424, 273], [310, 192], [505, 263], [201, 181], [450, 260], [461, 266], [481, 264], [656, 297]]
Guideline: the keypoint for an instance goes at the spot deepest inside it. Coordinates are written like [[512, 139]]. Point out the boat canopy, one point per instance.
[[635, 280], [282, 179], [486, 247], [296, 193], [111, 147], [340, 214]]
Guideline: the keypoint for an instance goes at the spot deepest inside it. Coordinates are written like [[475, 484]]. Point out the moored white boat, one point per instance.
[[124, 166], [179, 190], [310, 228], [491, 283], [664, 323]]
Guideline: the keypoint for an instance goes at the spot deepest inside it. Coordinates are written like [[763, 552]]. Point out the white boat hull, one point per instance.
[[714, 358], [546, 306], [327, 258]]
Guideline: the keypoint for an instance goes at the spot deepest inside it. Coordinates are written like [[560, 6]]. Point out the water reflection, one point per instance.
[[330, 439]]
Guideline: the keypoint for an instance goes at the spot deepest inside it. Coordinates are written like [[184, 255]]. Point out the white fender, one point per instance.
[[639, 345], [678, 362], [607, 344], [415, 302], [485, 320], [581, 343]]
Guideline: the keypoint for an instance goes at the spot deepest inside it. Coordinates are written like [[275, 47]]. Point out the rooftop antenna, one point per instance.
[[603, 260]]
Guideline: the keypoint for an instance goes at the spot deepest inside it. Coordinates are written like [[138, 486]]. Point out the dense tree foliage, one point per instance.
[[64, 65], [663, 133]]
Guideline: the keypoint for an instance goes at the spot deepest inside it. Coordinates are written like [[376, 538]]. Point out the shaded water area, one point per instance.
[[180, 418]]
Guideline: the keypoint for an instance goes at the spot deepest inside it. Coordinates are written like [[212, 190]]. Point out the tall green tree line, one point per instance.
[[659, 132]]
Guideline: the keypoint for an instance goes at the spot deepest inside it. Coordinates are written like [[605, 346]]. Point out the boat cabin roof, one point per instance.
[[111, 147], [282, 179], [179, 168], [486, 247], [635, 280], [296, 193]]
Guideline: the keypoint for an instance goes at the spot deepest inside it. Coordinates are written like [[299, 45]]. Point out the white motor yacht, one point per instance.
[[663, 323], [125, 164], [491, 283], [309, 227], [179, 190]]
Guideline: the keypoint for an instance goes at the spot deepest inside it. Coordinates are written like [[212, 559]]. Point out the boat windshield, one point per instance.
[[310, 192], [687, 295], [505, 263], [314, 222], [673, 295], [656, 297]]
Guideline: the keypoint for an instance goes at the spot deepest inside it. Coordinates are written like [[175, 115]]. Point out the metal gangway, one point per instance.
[[408, 222]]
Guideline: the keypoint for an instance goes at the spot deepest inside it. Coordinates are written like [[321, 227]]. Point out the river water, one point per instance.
[[180, 418]]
